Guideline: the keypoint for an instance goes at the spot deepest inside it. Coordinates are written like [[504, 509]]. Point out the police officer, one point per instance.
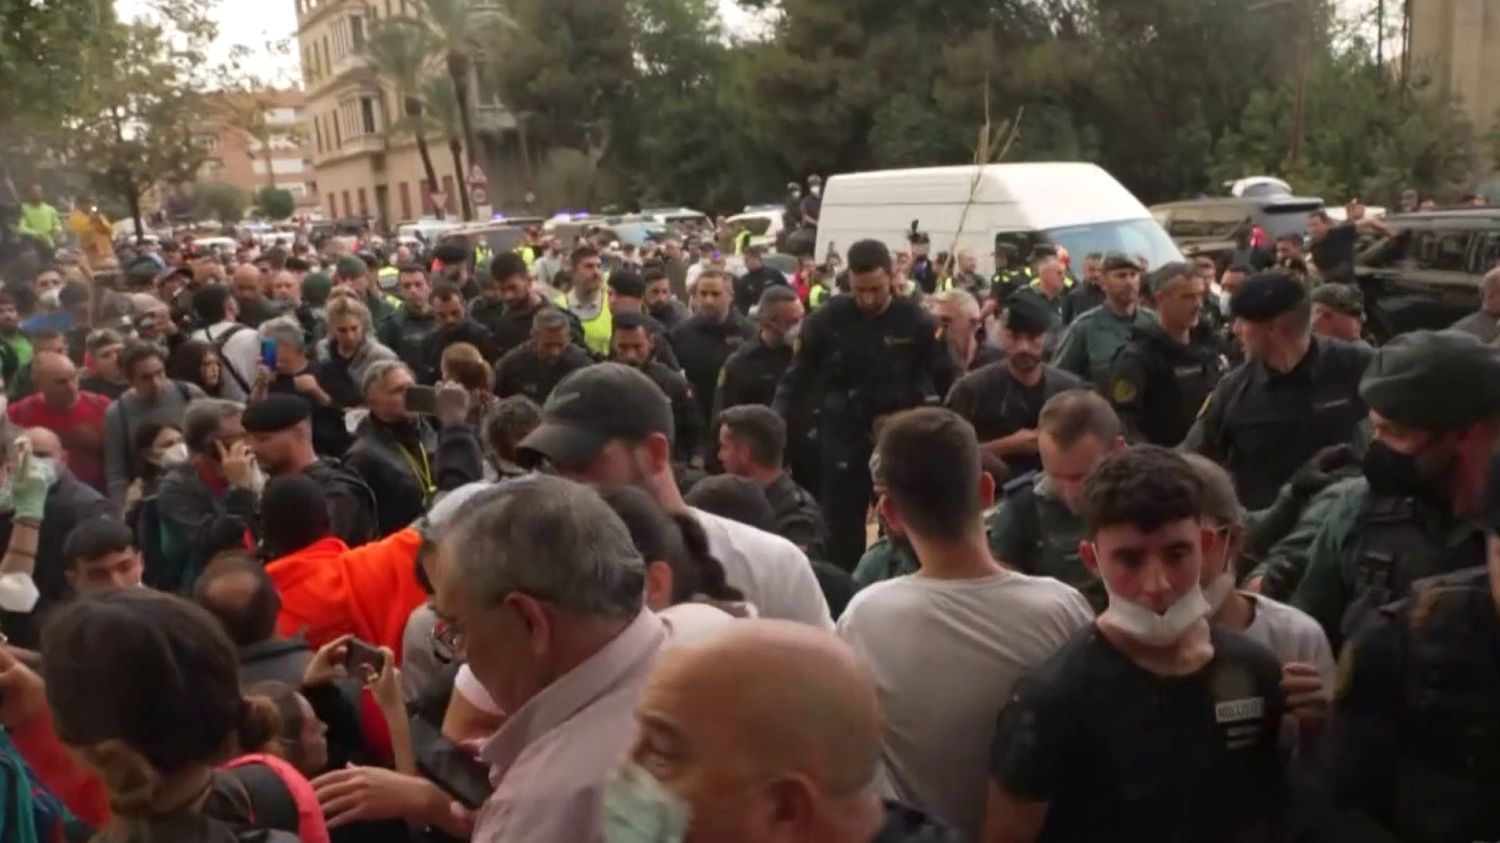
[[1162, 375], [757, 279], [752, 443], [634, 344], [1412, 747], [1089, 294], [922, 271], [1295, 395], [1092, 340], [535, 368], [1434, 400], [1007, 278], [704, 341], [861, 357], [509, 301], [1003, 400], [407, 330], [1339, 312], [627, 294], [752, 372]]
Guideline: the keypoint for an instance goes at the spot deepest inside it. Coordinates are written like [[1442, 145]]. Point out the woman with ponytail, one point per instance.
[[144, 688]]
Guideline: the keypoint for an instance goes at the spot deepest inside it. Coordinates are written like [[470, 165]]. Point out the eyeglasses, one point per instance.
[[447, 640]]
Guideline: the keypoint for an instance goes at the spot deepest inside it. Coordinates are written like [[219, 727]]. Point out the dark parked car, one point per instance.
[[1427, 275], [1226, 227]]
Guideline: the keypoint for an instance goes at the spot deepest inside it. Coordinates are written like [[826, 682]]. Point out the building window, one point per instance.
[[405, 201], [338, 134], [333, 207], [367, 114], [325, 64], [348, 208], [448, 194], [357, 33], [318, 135], [364, 207]]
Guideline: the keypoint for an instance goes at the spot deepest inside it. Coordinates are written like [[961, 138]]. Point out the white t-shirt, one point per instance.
[[1292, 635], [241, 350], [946, 655], [773, 573]]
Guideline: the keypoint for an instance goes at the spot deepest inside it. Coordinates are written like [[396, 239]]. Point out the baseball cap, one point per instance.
[[593, 406]]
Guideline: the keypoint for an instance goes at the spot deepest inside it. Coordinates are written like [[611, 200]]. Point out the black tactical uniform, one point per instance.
[[1157, 384], [1412, 749], [521, 372], [437, 342], [751, 374], [687, 420], [1263, 425], [1080, 300], [857, 368], [998, 405], [748, 287], [406, 334], [511, 326], [703, 344], [798, 518]]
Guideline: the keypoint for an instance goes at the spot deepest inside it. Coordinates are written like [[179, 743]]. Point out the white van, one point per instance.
[[1074, 205]]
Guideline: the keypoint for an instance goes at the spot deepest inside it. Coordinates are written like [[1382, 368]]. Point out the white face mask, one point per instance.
[[637, 809], [1218, 591], [1224, 297], [52, 298], [1152, 629], [174, 455]]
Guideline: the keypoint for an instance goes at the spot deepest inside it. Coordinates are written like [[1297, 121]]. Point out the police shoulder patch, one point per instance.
[[1122, 391], [1204, 409], [723, 375], [1344, 679]]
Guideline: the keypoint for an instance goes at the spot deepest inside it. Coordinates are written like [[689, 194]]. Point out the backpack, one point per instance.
[[227, 365]]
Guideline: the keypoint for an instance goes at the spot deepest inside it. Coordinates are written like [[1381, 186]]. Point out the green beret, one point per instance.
[[315, 288], [1340, 297], [1118, 260], [350, 267], [1434, 380]]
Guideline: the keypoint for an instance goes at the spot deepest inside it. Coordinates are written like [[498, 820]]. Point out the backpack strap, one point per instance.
[[228, 365]]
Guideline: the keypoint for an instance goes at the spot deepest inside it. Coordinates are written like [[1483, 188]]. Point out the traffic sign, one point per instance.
[[477, 177], [478, 195]]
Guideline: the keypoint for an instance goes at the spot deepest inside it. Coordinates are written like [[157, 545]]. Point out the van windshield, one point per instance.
[[1136, 238]]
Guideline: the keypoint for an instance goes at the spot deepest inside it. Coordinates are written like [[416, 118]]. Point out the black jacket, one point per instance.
[[198, 522], [275, 660], [749, 287], [393, 460], [703, 344], [438, 341], [510, 327], [351, 501], [521, 372]]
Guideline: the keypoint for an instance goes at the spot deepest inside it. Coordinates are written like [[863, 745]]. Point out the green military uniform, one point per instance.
[[1035, 533], [1397, 525], [1092, 340], [888, 558], [1411, 751]]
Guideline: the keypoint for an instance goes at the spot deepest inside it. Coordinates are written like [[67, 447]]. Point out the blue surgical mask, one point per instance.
[[637, 809]]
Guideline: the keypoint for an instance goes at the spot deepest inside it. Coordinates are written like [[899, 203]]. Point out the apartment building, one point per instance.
[[1458, 42], [255, 139]]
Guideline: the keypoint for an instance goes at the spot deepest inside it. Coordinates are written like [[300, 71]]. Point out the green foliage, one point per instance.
[[45, 51], [223, 202], [568, 178], [275, 203]]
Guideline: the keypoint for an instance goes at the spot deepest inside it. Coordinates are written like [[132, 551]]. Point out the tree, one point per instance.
[[443, 113], [275, 203], [457, 27], [216, 200], [399, 50], [246, 111]]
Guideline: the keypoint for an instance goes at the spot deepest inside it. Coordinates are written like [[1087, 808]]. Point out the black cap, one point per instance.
[[1118, 260], [1267, 295], [593, 406], [1340, 297], [627, 283], [275, 412], [1025, 315]]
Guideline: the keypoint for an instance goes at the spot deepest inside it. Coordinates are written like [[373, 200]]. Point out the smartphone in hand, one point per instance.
[[358, 653], [421, 400]]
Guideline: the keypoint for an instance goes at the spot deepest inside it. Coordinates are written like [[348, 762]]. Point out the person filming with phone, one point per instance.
[[395, 448]]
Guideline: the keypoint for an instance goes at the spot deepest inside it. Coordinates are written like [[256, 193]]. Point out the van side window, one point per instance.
[[1488, 253], [1440, 250], [1021, 240]]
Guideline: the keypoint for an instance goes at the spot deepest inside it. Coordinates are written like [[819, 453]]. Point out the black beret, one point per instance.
[[1116, 260], [1341, 297], [1434, 380], [1025, 315], [627, 283], [275, 412], [1267, 295]]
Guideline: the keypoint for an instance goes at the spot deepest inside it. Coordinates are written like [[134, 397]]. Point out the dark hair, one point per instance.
[[288, 714], [445, 291], [101, 339], [7, 299], [94, 539], [237, 591], [627, 320], [412, 268], [653, 273], [1071, 415], [662, 537], [173, 692], [44, 334], [736, 498], [774, 295], [186, 364], [209, 302], [868, 256], [141, 442], [296, 264], [294, 513], [760, 427], [452, 251], [929, 463], [1290, 238], [628, 284], [508, 265], [1241, 268], [1322, 216], [134, 353], [1146, 486], [73, 294], [582, 253], [508, 422]]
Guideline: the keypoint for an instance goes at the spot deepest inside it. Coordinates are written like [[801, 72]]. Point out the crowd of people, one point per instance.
[[564, 544]]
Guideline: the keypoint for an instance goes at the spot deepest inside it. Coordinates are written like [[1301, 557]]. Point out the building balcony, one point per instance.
[[375, 144]]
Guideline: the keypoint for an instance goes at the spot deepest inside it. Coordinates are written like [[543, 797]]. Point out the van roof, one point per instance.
[[1050, 194]]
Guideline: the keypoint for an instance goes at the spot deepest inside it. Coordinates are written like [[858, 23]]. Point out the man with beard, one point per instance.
[[957, 315], [1092, 340], [1150, 723], [281, 436], [1161, 377], [586, 299], [634, 345], [627, 294], [751, 373], [757, 279], [535, 368], [1434, 402], [706, 340], [508, 302], [453, 326], [1089, 294], [659, 303], [406, 331], [1003, 400]]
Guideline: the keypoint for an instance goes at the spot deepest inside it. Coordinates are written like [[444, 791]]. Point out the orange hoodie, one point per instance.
[[328, 589]]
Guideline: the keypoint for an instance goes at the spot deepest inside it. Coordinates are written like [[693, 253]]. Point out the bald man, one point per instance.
[[742, 766], [250, 291], [74, 415]]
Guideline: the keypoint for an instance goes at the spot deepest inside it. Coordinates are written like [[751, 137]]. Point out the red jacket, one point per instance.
[[328, 589]]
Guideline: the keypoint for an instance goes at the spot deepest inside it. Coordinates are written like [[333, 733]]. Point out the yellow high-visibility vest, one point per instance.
[[596, 331]]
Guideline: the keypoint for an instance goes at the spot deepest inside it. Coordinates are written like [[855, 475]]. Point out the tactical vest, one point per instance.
[[1450, 750], [596, 331], [1395, 550], [742, 242], [528, 255], [386, 278]]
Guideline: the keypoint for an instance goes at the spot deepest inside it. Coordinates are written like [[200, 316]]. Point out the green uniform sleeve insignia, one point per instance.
[[1123, 391], [1206, 401], [723, 375], [1343, 680]]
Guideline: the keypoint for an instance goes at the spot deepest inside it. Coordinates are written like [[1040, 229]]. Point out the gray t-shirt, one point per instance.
[[123, 418], [1292, 635], [945, 655]]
